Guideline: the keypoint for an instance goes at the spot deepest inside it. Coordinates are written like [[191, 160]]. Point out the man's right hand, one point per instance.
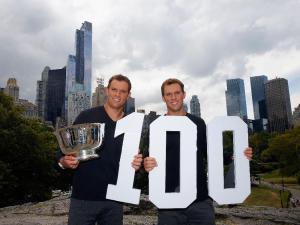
[[149, 163], [69, 161]]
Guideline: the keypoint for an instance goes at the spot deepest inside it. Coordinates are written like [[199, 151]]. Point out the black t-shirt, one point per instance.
[[92, 177], [173, 159]]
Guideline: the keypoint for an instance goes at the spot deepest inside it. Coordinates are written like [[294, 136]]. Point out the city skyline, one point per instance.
[[186, 41]]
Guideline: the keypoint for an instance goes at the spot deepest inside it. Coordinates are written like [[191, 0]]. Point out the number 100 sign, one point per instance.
[[131, 127]]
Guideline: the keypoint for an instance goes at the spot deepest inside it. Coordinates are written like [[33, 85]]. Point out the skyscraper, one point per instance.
[[195, 106], [40, 100], [70, 73], [78, 91], [99, 96], [70, 82], [77, 102], [236, 99], [12, 89], [129, 106], [258, 96], [84, 57], [296, 116], [278, 105], [185, 107], [55, 94]]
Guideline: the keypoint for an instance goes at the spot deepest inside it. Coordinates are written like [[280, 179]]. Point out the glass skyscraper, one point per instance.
[[195, 106], [236, 98], [70, 73], [55, 94], [258, 96], [84, 57], [70, 82], [130, 105], [79, 74]]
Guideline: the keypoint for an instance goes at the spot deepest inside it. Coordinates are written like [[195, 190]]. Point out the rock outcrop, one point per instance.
[[55, 212]]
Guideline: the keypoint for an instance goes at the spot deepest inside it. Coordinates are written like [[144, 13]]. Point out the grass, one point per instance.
[[275, 178], [297, 187], [286, 180], [263, 196]]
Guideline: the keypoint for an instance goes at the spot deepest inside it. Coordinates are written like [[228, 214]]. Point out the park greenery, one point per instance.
[[28, 167], [277, 153], [264, 196], [27, 151]]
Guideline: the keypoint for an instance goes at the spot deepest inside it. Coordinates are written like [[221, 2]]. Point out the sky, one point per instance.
[[200, 42]]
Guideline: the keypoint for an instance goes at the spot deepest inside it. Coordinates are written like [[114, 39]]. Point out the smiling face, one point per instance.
[[117, 94], [173, 96]]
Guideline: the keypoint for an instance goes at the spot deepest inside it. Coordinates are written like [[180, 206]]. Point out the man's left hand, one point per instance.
[[248, 153]]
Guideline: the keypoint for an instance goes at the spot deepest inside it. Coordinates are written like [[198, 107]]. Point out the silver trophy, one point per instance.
[[81, 139]]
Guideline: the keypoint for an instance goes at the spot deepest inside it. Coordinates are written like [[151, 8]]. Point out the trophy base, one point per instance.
[[85, 155]]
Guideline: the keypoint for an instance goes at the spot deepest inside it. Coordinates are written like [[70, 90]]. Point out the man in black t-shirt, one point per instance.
[[91, 178], [201, 211]]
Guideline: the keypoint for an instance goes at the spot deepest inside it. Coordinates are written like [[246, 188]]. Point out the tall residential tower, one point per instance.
[[79, 74], [278, 105], [84, 57]]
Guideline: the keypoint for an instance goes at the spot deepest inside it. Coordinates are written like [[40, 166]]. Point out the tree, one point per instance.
[[27, 150], [285, 149], [259, 142]]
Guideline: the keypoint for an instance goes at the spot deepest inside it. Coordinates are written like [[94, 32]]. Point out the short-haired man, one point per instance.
[[201, 211], [91, 178]]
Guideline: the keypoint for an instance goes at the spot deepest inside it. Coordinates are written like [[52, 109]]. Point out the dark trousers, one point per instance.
[[89, 212], [198, 213]]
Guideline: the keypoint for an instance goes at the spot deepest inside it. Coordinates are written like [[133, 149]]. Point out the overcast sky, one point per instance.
[[201, 42]]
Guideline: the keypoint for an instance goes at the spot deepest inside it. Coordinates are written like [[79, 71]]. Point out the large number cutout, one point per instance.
[[188, 150], [215, 160], [123, 191], [131, 126]]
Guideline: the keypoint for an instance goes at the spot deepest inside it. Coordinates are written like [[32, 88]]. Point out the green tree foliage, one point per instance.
[[228, 142], [27, 150], [285, 149], [259, 142]]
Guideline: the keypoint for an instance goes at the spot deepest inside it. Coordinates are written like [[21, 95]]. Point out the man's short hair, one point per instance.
[[120, 77], [169, 82]]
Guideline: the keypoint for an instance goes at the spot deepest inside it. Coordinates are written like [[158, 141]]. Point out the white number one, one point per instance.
[[215, 160], [123, 191], [188, 154]]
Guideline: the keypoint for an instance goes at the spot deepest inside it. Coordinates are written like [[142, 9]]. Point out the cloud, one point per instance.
[[201, 42]]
